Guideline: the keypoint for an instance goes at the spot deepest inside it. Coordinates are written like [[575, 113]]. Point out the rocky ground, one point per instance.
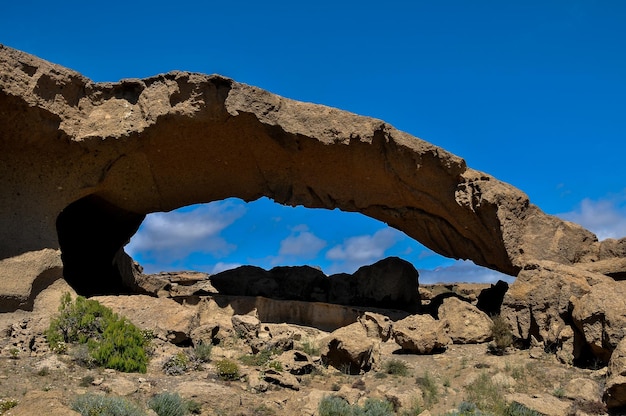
[[39, 380]]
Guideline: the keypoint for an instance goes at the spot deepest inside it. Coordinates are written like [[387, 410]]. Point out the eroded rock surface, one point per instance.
[[82, 163]]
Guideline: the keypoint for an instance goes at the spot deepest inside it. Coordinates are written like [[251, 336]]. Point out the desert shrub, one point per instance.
[[486, 395], [429, 389], [6, 404], [121, 347], [227, 369], [258, 359], [375, 407], [112, 342], [334, 406], [86, 381], [396, 367], [276, 365], [518, 409], [310, 348], [501, 333], [98, 405], [202, 352], [168, 404], [176, 364]]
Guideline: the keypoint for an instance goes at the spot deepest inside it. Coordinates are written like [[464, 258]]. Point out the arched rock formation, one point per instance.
[[82, 163]]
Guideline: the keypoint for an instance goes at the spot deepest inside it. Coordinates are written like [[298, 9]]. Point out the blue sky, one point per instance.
[[532, 92]]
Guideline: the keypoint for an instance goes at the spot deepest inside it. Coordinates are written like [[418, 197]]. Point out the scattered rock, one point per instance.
[[466, 323], [281, 378], [376, 325], [421, 334], [246, 326], [296, 362], [583, 389], [543, 403], [350, 350]]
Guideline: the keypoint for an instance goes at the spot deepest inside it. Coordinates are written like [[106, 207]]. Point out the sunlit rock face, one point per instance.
[[82, 163]]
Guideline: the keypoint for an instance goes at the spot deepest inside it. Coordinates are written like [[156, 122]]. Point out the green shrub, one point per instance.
[[276, 365], [486, 395], [501, 333], [429, 389], [310, 348], [375, 407], [334, 406], [98, 405], [396, 367], [168, 404], [176, 364], [121, 348], [227, 369], [202, 352], [112, 342], [6, 404], [258, 359]]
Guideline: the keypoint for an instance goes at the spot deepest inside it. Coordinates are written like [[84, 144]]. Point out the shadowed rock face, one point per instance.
[[77, 154]]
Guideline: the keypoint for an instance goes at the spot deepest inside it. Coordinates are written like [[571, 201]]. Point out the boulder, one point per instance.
[[543, 404], [376, 325], [82, 163], [281, 378], [350, 350], [539, 302], [466, 323], [601, 316], [583, 389], [615, 386], [421, 334], [246, 326], [165, 317], [296, 362]]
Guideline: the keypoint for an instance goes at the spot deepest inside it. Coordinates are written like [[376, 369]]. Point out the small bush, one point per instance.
[[227, 369], [518, 409], [501, 333], [310, 348], [168, 404], [258, 359], [334, 406], [112, 342], [6, 404], [396, 367], [202, 352], [86, 381], [429, 389], [97, 405], [375, 407], [486, 395], [176, 364]]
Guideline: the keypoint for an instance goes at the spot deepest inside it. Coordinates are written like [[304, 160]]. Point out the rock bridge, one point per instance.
[[82, 163]]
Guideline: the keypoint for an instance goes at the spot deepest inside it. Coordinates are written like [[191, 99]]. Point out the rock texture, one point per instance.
[[466, 323], [82, 163], [615, 388], [388, 283], [421, 334]]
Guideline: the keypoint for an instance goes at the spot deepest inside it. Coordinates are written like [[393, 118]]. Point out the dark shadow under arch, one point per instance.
[[91, 232]]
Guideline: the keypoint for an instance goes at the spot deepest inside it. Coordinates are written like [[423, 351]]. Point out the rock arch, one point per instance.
[[70, 148]]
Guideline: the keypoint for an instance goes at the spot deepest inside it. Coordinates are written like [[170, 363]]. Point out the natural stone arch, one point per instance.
[[157, 144]]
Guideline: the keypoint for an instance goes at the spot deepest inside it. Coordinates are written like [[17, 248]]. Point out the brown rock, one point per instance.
[[166, 318], [49, 403], [466, 323], [246, 326], [72, 149], [544, 404], [296, 362], [601, 316], [421, 334], [615, 387], [376, 325], [583, 389], [350, 350], [541, 297]]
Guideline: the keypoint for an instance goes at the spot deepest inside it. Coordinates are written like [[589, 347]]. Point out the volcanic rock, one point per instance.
[[421, 334], [349, 349], [82, 163], [615, 387], [466, 323]]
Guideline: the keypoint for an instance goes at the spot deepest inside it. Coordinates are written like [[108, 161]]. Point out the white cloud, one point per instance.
[[462, 271], [221, 266], [361, 250], [605, 217], [177, 234], [301, 243]]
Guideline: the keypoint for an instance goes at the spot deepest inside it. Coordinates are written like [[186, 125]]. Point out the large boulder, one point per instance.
[[466, 323], [615, 386], [601, 316], [539, 302], [82, 163], [350, 350], [421, 334]]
